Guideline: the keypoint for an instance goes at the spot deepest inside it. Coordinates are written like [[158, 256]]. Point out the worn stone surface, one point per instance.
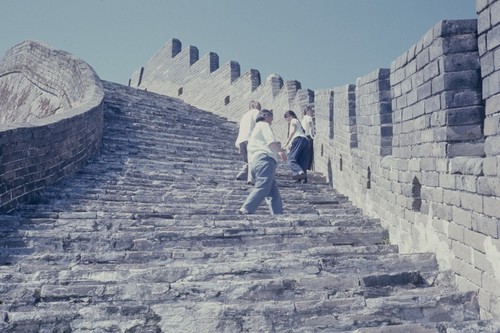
[[145, 239]]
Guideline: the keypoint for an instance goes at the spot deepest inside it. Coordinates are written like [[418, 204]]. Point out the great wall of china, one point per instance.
[[416, 146]]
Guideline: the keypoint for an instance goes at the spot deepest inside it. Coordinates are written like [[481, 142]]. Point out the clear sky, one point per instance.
[[321, 43]]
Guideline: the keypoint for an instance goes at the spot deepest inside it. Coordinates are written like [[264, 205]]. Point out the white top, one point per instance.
[[307, 125], [247, 123], [262, 136], [299, 131]]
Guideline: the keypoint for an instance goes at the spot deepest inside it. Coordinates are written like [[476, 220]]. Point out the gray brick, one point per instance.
[[492, 207], [488, 186]]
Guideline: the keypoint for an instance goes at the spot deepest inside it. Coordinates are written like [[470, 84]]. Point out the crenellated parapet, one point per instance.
[[223, 90]]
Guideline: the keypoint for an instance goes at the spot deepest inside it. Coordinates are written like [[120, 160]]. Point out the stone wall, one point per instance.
[[438, 190], [178, 72], [416, 145], [488, 183], [50, 122]]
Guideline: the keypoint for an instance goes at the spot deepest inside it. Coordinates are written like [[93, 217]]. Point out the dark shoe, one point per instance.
[[250, 183], [300, 175]]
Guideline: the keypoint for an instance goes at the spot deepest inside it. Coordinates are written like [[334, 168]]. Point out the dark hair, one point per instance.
[[308, 108], [260, 116], [254, 105], [291, 114]]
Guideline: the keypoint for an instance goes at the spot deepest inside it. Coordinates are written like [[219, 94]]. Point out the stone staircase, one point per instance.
[[146, 238]]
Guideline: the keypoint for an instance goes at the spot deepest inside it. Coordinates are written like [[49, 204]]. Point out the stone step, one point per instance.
[[424, 305], [145, 238], [373, 275]]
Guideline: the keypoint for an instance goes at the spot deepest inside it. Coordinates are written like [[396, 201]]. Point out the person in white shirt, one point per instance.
[[247, 123], [299, 154], [264, 153], [307, 123]]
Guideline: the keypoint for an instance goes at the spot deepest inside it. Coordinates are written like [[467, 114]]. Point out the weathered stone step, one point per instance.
[[204, 255], [85, 238], [381, 269], [146, 239]]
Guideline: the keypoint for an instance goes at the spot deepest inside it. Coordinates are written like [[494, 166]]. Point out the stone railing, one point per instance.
[[51, 119]]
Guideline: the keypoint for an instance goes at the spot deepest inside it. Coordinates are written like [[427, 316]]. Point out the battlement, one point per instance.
[[223, 90]]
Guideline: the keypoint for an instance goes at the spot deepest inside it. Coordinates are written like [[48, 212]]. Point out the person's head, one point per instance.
[[289, 115], [309, 110], [254, 105], [265, 115]]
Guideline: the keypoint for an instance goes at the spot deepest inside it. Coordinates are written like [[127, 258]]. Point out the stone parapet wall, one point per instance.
[[489, 51], [437, 109], [62, 129], [223, 90], [439, 189]]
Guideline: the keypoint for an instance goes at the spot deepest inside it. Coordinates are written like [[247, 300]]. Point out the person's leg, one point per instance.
[[311, 153], [274, 201], [304, 155], [243, 174], [263, 169], [293, 158], [249, 173]]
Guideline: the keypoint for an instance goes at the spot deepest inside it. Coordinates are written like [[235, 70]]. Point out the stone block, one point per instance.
[[451, 197], [442, 212], [475, 239], [492, 146], [493, 38], [430, 179], [495, 12], [464, 132], [464, 116], [464, 253], [490, 166], [447, 181], [481, 262], [492, 206], [455, 27], [456, 232], [488, 186], [490, 283], [466, 149], [487, 64], [466, 166], [492, 125], [462, 217], [471, 201]]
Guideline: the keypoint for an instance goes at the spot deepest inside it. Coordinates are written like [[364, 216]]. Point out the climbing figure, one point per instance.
[[264, 151], [307, 123], [299, 154], [247, 124]]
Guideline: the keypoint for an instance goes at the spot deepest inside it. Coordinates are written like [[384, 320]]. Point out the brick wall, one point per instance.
[[439, 188], [58, 137]]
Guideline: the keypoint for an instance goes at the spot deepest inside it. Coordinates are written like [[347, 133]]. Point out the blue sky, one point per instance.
[[321, 43]]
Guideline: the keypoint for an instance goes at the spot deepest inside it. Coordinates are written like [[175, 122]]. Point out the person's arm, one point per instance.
[[276, 147], [293, 128]]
